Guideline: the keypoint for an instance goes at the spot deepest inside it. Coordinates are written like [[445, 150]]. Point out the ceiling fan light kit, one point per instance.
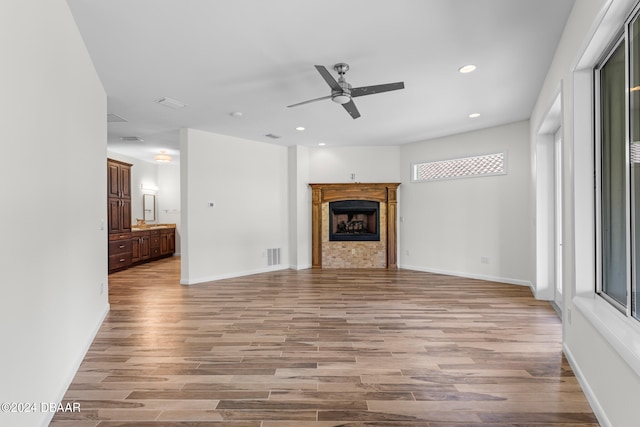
[[342, 92], [341, 98]]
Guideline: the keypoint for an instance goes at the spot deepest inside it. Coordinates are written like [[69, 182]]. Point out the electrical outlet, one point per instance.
[[484, 260], [353, 251], [101, 288], [407, 252], [569, 315], [211, 204]]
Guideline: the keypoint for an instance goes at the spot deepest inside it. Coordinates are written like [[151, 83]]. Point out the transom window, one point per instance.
[[485, 165]]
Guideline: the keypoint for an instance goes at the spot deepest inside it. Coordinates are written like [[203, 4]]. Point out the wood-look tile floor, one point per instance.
[[324, 348]]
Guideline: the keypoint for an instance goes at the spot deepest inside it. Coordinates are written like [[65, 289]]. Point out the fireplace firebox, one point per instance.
[[354, 220]]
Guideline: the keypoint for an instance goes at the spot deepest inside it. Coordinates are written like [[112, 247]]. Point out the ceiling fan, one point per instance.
[[342, 92]]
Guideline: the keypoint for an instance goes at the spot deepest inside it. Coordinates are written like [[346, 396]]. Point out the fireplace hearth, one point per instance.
[[354, 220]]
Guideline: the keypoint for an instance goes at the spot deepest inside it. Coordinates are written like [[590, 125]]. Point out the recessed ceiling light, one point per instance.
[[172, 103], [236, 114], [301, 128], [474, 115], [467, 68], [322, 144]]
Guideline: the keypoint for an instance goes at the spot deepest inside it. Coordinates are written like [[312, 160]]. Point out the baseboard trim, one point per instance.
[[76, 365], [598, 411], [232, 275], [506, 280]]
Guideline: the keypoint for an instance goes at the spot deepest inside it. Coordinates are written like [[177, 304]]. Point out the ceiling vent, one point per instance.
[[114, 118], [172, 103], [272, 136], [132, 139]]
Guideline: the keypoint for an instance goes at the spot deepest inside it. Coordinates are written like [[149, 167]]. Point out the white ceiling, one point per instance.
[[258, 56]]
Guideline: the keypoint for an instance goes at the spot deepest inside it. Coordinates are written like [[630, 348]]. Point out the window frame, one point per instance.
[[629, 308], [416, 165], [620, 39]]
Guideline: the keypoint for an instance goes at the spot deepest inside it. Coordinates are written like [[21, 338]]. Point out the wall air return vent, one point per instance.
[[273, 136], [273, 256], [132, 139]]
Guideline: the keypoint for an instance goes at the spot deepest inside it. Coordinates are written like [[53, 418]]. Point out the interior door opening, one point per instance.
[[558, 217]]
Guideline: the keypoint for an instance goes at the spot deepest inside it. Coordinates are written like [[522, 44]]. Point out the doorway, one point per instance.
[[549, 200], [557, 180]]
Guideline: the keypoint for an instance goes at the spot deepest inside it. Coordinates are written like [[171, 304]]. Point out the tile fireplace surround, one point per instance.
[[354, 254]]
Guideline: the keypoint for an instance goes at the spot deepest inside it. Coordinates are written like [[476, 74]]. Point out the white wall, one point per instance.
[[248, 183], [602, 345], [53, 259], [449, 226], [369, 164], [300, 208]]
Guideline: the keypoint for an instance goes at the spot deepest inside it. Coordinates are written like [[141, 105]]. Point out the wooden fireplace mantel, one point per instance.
[[381, 192]]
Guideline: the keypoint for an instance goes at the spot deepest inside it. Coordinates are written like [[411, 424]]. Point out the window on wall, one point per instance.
[[485, 165], [618, 171]]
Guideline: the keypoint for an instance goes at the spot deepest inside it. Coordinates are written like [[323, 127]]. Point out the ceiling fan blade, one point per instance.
[[370, 90], [309, 101], [352, 109], [326, 75]]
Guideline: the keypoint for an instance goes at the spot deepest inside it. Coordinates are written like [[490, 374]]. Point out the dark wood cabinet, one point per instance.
[[114, 215], [119, 251], [119, 196], [167, 241], [155, 243], [172, 243], [135, 250], [118, 179], [145, 247], [140, 246], [152, 244], [119, 214], [164, 243]]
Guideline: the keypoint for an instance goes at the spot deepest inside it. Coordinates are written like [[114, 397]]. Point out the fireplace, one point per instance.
[[357, 232], [354, 220]]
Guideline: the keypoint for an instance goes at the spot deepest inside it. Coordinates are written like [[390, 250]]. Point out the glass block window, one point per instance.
[[485, 165], [634, 152]]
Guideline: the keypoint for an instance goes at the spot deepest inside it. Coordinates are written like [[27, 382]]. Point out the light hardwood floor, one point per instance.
[[324, 348]]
